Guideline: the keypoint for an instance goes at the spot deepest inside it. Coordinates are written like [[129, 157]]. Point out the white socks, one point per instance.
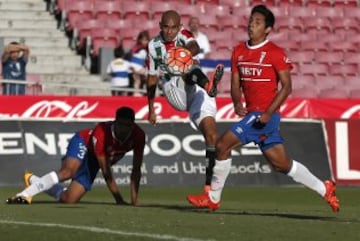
[[299, 173], [220, 173], [40, 184], [54, 191]]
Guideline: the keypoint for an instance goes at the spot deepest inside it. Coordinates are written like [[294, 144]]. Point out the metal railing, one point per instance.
[[15, 87]]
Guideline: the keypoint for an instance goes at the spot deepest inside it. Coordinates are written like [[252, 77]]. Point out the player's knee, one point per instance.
[[65, 174], [196, 76]]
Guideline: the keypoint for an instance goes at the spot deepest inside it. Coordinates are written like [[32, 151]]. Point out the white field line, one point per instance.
[[103, 230]]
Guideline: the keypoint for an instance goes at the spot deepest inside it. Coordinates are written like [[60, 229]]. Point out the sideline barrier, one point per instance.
[[174, 154]]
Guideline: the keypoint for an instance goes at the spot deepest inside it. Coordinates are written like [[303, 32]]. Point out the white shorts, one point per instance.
[[191, 98]]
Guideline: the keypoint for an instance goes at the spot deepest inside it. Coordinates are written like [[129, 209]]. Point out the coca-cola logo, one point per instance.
[[47, 108]]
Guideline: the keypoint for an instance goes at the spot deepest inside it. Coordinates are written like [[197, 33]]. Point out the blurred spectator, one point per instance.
[[138, 56], [200, 37], [119, 70], [14, 60]]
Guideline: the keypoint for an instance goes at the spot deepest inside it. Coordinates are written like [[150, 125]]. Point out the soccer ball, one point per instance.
[[178, 61]]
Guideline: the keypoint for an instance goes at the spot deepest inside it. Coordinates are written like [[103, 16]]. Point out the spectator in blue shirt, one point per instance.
[[14, 60]]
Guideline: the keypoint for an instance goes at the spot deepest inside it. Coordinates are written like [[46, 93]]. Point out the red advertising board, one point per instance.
[[343, 142], [93, 107], [342, 118]]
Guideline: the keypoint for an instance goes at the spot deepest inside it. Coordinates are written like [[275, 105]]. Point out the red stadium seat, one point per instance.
[[354, 93], [334, 94], [345, 3], [230, 22], [84, 28], [234, 3], [304, 37], [242, 11], [219, 55], [128, 33], [329, 57], [328, 82], [78, 11], [302, 81], [218, 11], [110, 10], [158, 7], [303, 12], [317, 25], [306, 92], [288, 45], [298, 3], [329, 12], [103, 37], [211, 2], [343, 46], [345, 25], [317, 3], [352, 82], [280, 11], [314, 45], [208, 21], [268, 3], [187, 11], [281, 36], [121, 23], [344, 69], [302, 57], [351, 58], [289, 24], [225, 44], [239, 36], [140, 10], [314, 69]]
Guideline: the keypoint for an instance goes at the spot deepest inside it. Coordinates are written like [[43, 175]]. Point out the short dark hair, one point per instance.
[[269, 16], [119, 52], [125, 113]]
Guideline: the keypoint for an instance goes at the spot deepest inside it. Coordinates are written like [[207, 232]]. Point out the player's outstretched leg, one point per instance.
[[211, 86], [330, 196]]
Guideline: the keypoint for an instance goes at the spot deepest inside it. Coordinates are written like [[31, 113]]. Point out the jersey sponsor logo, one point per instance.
[[250, 71], [262, 57]]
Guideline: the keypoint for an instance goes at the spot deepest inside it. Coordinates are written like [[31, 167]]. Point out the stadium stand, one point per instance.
[[321, 36]]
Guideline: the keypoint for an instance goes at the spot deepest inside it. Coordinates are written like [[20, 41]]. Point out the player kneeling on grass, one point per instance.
[[88, 151], [257, 67]]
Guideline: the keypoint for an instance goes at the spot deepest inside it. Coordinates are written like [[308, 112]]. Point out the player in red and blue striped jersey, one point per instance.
[[88, 151]]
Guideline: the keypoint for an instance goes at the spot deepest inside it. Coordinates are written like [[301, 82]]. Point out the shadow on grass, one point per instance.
[[253, 213]]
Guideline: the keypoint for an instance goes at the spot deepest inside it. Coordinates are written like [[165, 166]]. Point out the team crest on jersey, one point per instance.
[[287, 60], [262, 57], [240, 57]]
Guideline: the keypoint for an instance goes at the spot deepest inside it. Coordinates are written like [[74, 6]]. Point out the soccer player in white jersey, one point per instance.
[[192, 92]]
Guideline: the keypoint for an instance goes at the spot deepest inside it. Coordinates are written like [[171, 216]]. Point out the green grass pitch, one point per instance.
[[247, 213]]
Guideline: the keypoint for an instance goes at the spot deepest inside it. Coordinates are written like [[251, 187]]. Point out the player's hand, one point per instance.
[[240, 110], [152, 118], [262, 120]]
